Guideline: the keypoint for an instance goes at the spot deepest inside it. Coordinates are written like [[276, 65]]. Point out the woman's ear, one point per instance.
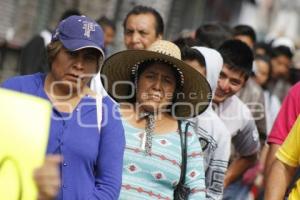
[[159, 37]]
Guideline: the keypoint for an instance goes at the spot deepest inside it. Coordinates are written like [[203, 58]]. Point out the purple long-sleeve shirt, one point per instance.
[[92, 161]]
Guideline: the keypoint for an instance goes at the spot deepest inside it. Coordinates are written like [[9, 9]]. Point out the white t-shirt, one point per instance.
[[241, 125]]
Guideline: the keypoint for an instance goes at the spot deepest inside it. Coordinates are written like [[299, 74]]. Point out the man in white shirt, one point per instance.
[[213, 135], [238, 59]]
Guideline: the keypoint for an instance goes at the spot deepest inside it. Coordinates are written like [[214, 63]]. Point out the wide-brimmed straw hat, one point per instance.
[[118, 70]]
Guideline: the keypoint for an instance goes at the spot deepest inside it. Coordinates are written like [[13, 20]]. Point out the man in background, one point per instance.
[[142, 26], [109, 29]]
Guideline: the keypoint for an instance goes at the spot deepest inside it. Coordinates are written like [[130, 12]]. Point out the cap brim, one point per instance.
[[77, 44], [118, 67]]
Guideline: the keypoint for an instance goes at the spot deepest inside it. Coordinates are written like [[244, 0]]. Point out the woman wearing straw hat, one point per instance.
[[156, 92]]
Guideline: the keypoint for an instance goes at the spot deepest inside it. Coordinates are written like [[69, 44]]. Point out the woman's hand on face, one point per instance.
[[47, 178]]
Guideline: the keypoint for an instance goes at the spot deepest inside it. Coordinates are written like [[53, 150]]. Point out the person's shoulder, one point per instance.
[[19, 82], [110, 107], [211, 123], [242, 109], [107, 100], [295, 89], [236, 101], [291, 100], [218, 131], [297, 85], [12, 81]]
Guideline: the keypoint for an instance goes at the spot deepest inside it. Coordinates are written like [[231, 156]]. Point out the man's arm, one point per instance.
[[285, 164], [238, 167], [270, 158], [278, 180]]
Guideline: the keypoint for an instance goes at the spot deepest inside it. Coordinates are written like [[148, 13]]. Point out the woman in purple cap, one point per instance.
[[85, 129]]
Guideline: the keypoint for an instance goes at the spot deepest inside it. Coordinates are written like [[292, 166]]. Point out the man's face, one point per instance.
[[109, 35], [229, 83], [262, 72], [280, 66], [140, 31]]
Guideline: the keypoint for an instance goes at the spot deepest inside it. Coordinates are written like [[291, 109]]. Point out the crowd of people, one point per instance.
[[209, 116]]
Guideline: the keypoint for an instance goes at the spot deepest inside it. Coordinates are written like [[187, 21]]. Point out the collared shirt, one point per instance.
[[92, 160]]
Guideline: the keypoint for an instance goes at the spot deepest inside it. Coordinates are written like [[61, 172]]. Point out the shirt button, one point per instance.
[[65, 164], [64, 186]]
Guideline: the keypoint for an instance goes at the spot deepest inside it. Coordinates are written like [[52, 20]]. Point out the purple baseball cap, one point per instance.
[[79, 32]]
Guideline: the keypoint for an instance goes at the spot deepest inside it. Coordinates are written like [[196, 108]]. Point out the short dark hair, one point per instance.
[[245, 30], [182, 42], [68, 13], [103, 21], [238, 56], [159, 25], [188, 53], [212, 35], [281, 51], [262, 45], [267, 60]]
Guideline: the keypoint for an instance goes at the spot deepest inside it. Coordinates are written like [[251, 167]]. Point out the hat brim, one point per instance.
[[77, 44], [118, 69]]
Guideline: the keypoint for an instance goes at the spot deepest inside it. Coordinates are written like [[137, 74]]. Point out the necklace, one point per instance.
[[150, 124]]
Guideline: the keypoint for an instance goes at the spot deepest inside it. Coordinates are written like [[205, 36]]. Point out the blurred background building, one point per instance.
[[22, 19]]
